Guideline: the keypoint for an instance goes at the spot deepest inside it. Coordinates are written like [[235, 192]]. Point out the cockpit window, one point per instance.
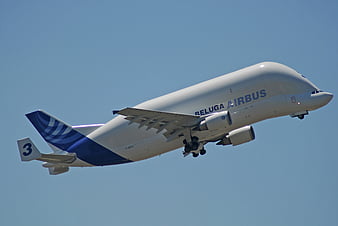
[[317, 91]]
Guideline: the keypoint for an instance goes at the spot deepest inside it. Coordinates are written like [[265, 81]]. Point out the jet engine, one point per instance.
[[238, 136], [215, 121]]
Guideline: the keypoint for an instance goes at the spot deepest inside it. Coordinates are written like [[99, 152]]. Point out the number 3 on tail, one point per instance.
[[28, 148]]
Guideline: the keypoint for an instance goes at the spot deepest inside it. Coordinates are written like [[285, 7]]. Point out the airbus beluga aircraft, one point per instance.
[[219, 110]]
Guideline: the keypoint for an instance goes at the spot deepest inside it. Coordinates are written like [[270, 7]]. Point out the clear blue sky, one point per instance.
[[79, 60]]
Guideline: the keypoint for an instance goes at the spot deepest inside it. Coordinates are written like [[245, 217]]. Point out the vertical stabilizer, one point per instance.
[[53, 130]]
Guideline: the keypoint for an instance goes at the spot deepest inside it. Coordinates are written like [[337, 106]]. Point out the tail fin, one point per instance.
[[53, 130], [28, 151]]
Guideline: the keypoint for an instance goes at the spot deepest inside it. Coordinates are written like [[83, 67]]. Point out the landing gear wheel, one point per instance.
[[194, 143], [187, 148], [194, 146], [301, 116], [194, 154], [203, 152]]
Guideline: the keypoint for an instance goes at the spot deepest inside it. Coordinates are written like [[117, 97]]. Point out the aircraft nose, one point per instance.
[[320, 99], [327, 97]]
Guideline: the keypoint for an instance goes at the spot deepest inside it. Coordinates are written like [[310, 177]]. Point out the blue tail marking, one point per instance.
[[67, 139], [53, 130]]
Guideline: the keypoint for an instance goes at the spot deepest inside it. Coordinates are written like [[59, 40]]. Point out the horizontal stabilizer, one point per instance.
[[28, 152], [58, 170], [55, 158], [87, 129]]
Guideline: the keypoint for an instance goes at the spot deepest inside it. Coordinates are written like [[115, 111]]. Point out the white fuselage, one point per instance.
[[253, 94]]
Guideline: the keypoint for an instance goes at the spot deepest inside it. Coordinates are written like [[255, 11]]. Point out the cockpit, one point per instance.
[[317, 91]]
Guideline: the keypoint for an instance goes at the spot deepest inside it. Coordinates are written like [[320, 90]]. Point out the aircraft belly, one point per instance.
[[149, 148], [157, 145], [134, 143], [125, 140]]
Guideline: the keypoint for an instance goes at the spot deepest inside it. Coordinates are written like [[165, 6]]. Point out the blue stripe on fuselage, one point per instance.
[[95, 154]]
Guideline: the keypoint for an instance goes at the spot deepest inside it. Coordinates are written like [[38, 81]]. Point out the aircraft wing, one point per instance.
[[173, 123]]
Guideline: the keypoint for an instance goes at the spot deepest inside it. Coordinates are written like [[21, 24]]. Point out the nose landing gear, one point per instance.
[[300, 115]]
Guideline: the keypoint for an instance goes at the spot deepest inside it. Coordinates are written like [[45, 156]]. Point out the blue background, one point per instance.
[[79, 60]]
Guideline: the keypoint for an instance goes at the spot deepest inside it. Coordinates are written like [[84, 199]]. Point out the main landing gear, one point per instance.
[[194, 147]]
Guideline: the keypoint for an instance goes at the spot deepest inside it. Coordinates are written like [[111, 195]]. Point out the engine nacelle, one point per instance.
[[215, 121], [238, 136]]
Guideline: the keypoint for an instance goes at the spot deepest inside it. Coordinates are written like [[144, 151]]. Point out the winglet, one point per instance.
[[28, 150]]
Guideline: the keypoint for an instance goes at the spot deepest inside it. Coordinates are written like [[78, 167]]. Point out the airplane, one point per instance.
[[220, 110]]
